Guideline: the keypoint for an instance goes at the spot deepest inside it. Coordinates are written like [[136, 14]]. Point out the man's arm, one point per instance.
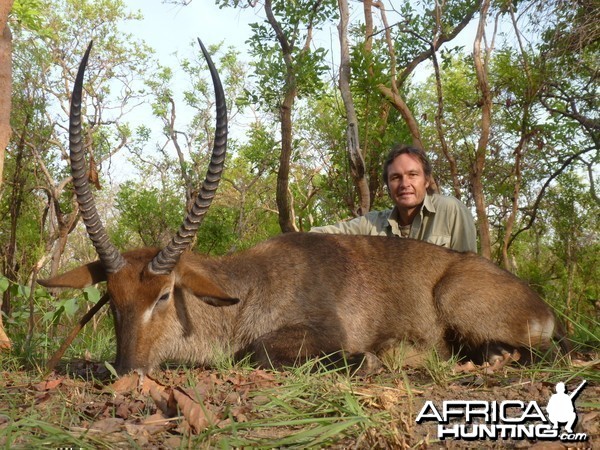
[[358, 225], [464, 234]]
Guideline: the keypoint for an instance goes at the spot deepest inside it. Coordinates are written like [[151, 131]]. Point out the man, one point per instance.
[[418, 213]]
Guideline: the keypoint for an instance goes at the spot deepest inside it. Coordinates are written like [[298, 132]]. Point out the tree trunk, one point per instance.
[[5, 106], [17, 193], [5, 84], [357, 162], [526, 135], [439, 126], [510, 222], [282, 195], [392, 93], [286, 108], [66, 224], [571, 269], [397, 80], [398, 102], [477, 171]]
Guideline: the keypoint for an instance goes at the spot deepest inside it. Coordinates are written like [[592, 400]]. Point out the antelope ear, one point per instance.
[[204, 288], [79, 278]]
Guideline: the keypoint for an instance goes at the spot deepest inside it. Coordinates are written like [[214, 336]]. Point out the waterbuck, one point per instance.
[[298, 295]]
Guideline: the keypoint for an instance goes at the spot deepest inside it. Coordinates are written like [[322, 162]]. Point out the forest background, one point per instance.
[[508, 116]]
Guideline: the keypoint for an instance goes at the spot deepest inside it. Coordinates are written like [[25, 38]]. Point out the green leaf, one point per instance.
[[70, 306], [18, 290], [41, 292], [24, 291], [91, 294], [111, 369], [4, 284], [51, 315]]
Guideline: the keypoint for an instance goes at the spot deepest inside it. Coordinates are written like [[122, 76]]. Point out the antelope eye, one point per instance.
[[164, 297]]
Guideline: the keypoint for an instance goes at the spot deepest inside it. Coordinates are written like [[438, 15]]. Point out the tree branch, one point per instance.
[[538, 200]]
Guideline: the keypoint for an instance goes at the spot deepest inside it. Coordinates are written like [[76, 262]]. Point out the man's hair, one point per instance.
[[403, 149]]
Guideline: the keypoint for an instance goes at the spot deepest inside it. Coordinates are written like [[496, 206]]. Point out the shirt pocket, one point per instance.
[[441, 240]]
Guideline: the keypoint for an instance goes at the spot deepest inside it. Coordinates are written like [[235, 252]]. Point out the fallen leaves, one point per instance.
[[214, 400], [108, 425], [47, 385], [198, 415], [125, 384]]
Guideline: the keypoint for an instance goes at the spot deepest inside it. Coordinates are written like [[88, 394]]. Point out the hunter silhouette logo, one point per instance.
[[508, 419], [561, 407]]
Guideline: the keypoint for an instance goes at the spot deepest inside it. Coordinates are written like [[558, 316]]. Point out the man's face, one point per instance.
[[407, 182]]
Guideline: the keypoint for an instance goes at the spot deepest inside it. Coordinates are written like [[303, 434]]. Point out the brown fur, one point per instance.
[[299, 295]]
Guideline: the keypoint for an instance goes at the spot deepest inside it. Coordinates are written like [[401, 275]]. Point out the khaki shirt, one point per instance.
[[443, 221]]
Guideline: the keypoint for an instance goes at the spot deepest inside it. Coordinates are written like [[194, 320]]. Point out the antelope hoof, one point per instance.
[[367, 364]]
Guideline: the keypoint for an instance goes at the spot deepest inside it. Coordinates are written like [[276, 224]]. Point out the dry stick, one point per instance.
[[85, 319]]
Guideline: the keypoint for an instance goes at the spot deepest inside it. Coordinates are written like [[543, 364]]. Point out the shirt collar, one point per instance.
[[428, 203], [393, 221]]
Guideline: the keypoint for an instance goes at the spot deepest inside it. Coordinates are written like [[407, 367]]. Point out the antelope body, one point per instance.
[[303, 294], [299, 295]]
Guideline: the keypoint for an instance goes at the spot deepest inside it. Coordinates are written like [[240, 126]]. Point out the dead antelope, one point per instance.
[[298, 295]]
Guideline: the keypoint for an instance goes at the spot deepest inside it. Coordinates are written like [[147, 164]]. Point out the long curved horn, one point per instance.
[[111, 258], [164, 262]]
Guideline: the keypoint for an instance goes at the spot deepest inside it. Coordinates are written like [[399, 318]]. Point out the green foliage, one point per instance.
[[68, 307], [216, 234], [49, 317], [20, 218], [560, 256], [36, 202], [302, 68], [30, 16], [147, 214]]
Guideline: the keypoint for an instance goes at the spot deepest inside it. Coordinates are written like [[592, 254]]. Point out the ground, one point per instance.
[[83, 405]]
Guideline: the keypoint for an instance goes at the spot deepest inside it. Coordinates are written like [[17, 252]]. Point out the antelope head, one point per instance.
[[142, 283]]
